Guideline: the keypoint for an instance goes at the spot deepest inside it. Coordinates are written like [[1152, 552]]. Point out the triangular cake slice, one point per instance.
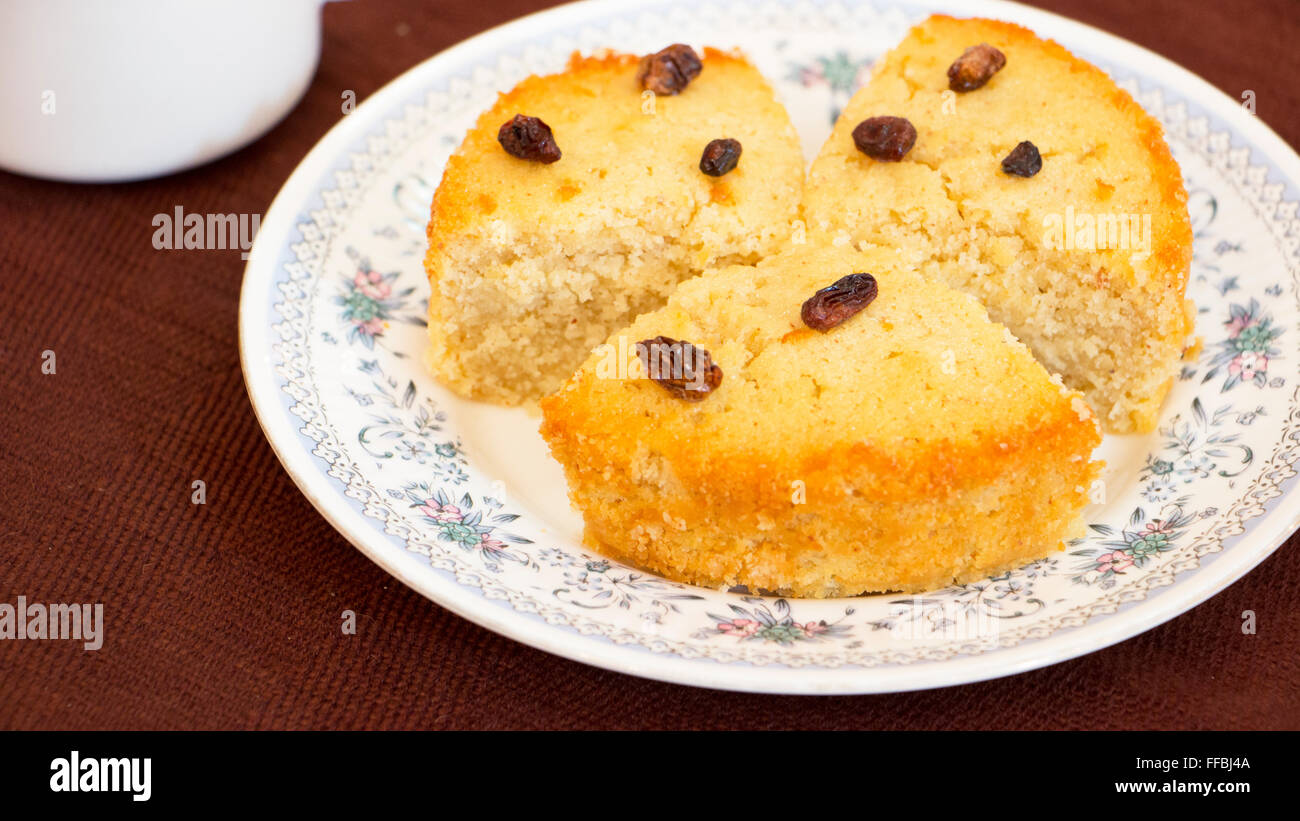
[[913, 444], [546, 237], [1080, 244]]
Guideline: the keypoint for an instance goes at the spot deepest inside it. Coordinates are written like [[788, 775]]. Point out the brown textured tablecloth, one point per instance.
[[226, 615]]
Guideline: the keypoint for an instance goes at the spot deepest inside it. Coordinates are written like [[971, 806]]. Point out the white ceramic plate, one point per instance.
[[461, 501]]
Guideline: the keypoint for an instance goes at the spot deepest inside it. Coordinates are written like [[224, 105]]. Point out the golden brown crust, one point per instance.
[[827, 492], [760, 478], [910, 521]]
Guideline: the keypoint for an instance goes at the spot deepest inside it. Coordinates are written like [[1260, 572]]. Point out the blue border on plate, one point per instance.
[[1291, 189]]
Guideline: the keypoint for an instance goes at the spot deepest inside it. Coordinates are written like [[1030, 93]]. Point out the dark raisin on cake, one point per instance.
[[528, 138], [975, 67], [683, 369], [1023, 161], [669, 71], [720, 156], [885, 138], [837, 303]]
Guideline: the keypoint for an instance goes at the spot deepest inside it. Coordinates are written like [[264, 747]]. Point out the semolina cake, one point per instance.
[[829, 423], [581, 199], [1024, 177]]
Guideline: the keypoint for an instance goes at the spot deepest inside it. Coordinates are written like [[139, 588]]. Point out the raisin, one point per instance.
[[528, 138], [1023, 161], [720, 156], [975, 67], [669, 71], [684, 370], [835, 304], [885, 138]]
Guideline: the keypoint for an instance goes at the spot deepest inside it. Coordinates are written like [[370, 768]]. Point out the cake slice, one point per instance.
[[581, 199], [903, 445], [1079, 242]]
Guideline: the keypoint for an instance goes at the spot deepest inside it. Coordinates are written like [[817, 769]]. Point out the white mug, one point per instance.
[[112, 90]]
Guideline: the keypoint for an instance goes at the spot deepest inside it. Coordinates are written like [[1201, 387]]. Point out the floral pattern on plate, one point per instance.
[[347, 302]]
